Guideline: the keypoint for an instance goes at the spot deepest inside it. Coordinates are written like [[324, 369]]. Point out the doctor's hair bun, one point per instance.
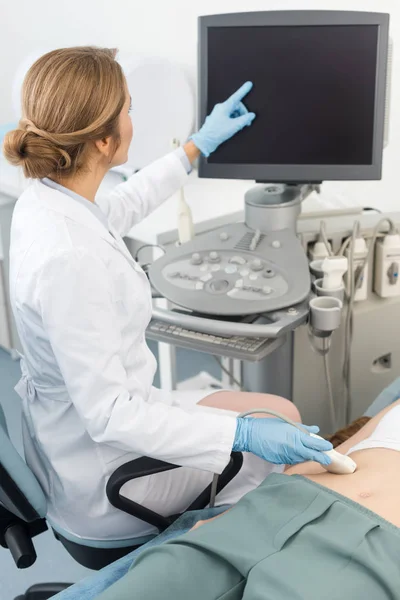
[[71, 98], [38, 157]]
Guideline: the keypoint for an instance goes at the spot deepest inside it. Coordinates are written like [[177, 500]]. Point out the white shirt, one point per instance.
[[82, 305]]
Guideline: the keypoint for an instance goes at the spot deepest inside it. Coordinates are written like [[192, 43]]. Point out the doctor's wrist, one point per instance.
[[241, 441], [192, 151]]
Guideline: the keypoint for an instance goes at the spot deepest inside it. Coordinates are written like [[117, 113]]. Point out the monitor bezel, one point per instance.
[[298, 173]]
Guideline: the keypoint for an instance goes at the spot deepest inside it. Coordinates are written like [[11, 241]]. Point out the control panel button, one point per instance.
[[239, 283], [269, 273], [256, 265], [199, 285], [244, 272], [237, 260], [214, 256], [252, 288], [223, 236], [206, 277], [196, 259], [219, 285], [233, 293], [204, 268], [253, 276], [267, 290], [231, 269], [215, 268], [276, 244]]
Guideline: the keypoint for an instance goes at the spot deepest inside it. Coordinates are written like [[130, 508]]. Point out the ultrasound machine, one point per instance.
[[319, 95]]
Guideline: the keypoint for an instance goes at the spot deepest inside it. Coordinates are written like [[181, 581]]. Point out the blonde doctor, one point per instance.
[[82, 304]]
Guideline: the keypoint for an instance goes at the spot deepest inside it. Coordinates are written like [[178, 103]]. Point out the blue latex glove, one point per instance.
[[278, 442], [225, 120]]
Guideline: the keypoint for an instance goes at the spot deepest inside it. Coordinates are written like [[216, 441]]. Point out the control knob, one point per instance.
[[196, 259], [256, 265], [214, 257], [269, 273]]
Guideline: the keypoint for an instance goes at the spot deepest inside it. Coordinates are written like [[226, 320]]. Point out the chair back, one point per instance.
[[20, 491]]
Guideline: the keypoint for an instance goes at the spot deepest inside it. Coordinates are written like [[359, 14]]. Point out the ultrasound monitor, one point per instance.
[[319, 93]]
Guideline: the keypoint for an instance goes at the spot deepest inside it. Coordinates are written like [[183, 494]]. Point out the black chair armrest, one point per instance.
[[230, 471], [144, 466], [140, 467]]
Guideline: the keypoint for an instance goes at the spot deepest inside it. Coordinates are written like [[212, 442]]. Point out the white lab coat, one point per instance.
[[81, 305]]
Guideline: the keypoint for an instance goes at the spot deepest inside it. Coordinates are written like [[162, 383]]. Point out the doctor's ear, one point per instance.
[[106, 146]]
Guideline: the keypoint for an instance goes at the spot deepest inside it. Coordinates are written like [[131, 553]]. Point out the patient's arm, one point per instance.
[[312, 468]]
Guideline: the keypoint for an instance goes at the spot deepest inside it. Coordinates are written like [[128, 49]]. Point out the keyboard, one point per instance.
[[241, 348]]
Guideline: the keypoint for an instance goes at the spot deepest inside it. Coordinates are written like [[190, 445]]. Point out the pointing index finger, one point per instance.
[[237, 96]]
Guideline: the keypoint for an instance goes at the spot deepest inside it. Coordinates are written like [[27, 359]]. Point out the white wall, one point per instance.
[[169, 28]]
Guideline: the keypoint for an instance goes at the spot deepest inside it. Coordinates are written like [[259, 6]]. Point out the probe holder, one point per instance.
[[325, 314], [333, 293]]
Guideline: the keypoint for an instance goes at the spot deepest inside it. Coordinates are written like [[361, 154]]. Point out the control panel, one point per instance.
[[234, 271]]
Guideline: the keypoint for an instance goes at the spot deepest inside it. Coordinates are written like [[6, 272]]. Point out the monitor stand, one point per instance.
[[275, 206], [271, 208]]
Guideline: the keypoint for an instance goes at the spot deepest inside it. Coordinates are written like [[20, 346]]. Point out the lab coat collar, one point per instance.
[[62, 203], [92, 206]]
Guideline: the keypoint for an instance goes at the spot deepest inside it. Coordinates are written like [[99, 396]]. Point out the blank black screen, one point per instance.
[[313, 94]]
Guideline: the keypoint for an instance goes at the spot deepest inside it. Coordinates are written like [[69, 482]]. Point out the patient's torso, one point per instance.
[[374, 485], [376, 482]]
